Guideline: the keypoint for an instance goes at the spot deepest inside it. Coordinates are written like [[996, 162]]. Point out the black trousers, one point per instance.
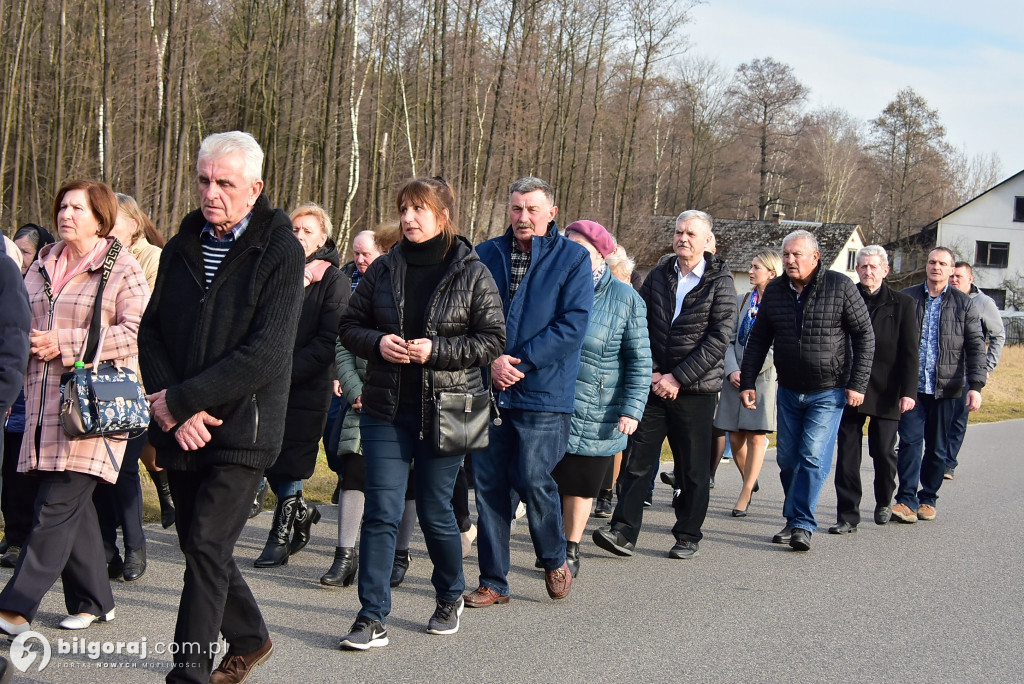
[[120, 503], [64, 542], [18, 497], [686, 421], [211, 508], [881, 447]]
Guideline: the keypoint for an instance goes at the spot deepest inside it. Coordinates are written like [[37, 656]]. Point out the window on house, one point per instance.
[[1018, 208], [994, 254], [998, 295], [851, 260]]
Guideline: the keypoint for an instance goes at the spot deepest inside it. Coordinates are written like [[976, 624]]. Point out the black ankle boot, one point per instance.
[[163, 492], [276, 551], [401, 566], [572, 557], [306, 515], [343, 570]]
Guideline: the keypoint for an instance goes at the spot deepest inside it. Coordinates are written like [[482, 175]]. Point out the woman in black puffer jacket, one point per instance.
[[426, 316], [325, 295]]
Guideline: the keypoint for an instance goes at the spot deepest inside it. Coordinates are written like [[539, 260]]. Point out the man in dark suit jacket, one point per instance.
[[892, 389]]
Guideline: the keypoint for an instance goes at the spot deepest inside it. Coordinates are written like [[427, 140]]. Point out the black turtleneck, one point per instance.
[[425, 266]]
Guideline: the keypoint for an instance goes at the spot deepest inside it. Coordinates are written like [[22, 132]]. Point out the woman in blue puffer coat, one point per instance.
[[611, 389]]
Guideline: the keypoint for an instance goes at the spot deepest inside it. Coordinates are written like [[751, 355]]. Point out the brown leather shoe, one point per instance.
[[485, 596], [235, 669], [558, 582]]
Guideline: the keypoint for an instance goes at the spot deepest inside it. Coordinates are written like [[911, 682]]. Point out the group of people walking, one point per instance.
[[247, 330]]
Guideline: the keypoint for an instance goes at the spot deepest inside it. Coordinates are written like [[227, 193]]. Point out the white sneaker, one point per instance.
[[520, 510], [83, 621], [12, 629]]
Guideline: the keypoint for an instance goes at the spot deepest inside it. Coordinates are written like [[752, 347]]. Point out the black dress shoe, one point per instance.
[[612, 541], [10, 557], [801, 540], [783, 536], [668, 478], [134, 564], [683, 550], [842, 528], [882, 515]]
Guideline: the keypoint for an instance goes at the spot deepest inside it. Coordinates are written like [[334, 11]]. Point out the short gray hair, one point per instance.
[[873, 250], [801, 235], [531, 183], [218, 145], [691, 214]]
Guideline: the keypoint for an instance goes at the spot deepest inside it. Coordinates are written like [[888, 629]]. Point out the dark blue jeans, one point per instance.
[[808, 425], [523, 451], [391, 449], [957, 429], [332, 431], [924, 445]]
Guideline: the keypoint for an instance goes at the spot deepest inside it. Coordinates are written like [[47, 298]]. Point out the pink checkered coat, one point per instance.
[[124, 300]]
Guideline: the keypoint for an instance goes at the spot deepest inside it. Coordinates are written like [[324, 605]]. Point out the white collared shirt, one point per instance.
[[686, 283]]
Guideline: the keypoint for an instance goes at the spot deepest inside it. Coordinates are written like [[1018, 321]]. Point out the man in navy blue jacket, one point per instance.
[[547, 291]]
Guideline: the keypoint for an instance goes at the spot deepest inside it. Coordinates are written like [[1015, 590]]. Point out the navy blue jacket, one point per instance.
[[547, 319], [15, 321]]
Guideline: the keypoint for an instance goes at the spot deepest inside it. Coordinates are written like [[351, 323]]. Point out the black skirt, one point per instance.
[[581, 475]]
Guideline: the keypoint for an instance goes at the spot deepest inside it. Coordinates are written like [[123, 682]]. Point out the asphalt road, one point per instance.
[[932, 602]]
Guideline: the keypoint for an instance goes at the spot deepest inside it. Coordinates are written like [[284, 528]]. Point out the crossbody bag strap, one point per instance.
[[92, 341]]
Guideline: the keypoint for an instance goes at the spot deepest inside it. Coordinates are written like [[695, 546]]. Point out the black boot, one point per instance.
[[572, 557], [276, 551], [306, 515], [401, 566], [603, 508], [343, 570], [163, 492]]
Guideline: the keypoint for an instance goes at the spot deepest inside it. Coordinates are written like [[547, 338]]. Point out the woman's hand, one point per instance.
[[43, 344], [419, 350], [394, 349], [627, 425], [734, 378]]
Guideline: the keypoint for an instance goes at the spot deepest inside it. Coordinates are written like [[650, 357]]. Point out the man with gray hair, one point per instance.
[[215, 347], [823, 349], [547, 291], [691, 312], [892, 388]]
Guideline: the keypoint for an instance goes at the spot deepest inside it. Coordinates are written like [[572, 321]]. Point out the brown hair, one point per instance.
[[434, 194], [128, 205], [386, 235], [102, 202]]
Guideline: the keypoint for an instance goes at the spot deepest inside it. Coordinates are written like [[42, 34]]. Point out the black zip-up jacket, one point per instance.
[[814, 356], [464, 321], [897, 339], [961, 342], [227, 349], [692, 346]]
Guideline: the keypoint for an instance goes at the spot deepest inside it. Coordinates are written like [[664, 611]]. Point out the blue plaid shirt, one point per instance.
[[928, 354]]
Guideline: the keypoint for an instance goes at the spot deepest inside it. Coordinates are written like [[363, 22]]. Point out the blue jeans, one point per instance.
[[523, 451], [924, 446], [957, 429], [391, 449], [283, 487], [808, 425]]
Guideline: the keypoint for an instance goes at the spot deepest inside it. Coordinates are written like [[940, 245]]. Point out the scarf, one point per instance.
[[314, 271], [747, 322], [61, 275]]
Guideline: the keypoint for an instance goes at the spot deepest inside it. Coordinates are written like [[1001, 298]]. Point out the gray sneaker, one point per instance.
[[365, 633], [445, 619]]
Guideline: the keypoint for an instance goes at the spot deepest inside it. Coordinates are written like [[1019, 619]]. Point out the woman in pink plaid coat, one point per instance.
[[62, 284]]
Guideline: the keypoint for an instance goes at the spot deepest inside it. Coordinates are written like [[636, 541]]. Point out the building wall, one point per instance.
[[839, 264]]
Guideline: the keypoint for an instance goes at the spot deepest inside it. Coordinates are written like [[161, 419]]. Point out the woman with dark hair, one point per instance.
[[62, 285], [19, 490], [426, 316], [324, 298]]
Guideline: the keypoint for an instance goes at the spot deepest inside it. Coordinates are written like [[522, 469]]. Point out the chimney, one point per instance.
[[778, 217]]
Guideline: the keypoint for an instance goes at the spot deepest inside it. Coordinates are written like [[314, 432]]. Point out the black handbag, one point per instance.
[[462, 422]]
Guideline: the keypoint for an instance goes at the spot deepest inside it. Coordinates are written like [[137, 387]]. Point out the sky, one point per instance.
[[965, 59]]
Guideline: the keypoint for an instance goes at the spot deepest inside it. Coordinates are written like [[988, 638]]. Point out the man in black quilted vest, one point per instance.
[[824, 346], [691, 312]]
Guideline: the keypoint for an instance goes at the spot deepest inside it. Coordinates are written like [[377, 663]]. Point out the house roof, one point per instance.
[[738, 240], [935, 223]]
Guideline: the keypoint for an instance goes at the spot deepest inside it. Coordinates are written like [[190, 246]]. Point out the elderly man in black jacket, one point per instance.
[[892, 389], [823, 349], [215, 346], [952, 351], [691, 312]]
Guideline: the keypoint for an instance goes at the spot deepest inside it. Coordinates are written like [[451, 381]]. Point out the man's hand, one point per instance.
[[907, 404], [504, 373], [158, 409], [854, 398], [337, 388], [627, 425], [358, 404], [973, 400], [193, 434], [420, 349], [734, 378], [667, 387], [747, 398], [393, 349]]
